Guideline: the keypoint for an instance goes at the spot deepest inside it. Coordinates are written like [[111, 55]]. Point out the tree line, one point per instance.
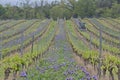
[[62, 9]]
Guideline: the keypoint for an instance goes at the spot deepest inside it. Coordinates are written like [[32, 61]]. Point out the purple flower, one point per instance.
[[71, 72], [81, 67], [55, 67], [88, 78], [23, 74], [70, 78], [87, 74], [83, 70], [95, 77]]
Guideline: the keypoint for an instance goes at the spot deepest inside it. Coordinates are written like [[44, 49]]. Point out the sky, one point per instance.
[[14, 2]]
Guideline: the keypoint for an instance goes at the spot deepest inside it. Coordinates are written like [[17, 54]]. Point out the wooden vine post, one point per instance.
[[7, 73], [100, 52], [21, 54], [119, 63], [0, 46], [90, 41], [21, 42], [118, 72], [32, 43]]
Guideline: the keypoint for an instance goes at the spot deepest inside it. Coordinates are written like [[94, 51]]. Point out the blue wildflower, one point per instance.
[[23, 74]]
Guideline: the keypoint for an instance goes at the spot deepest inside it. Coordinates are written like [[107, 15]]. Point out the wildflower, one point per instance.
[[95, 77], [70, 78], [23, 74]]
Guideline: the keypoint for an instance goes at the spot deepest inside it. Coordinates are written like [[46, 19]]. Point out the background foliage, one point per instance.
[[64, 8]]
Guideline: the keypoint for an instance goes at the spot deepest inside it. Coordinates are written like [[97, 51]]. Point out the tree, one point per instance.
[[70, 5], [85, 8], [8, 12], [116, 10], [26, 5], [118, 1], [46, 10], [58, 11], [65, 8], [2, 11], [104, 3]]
